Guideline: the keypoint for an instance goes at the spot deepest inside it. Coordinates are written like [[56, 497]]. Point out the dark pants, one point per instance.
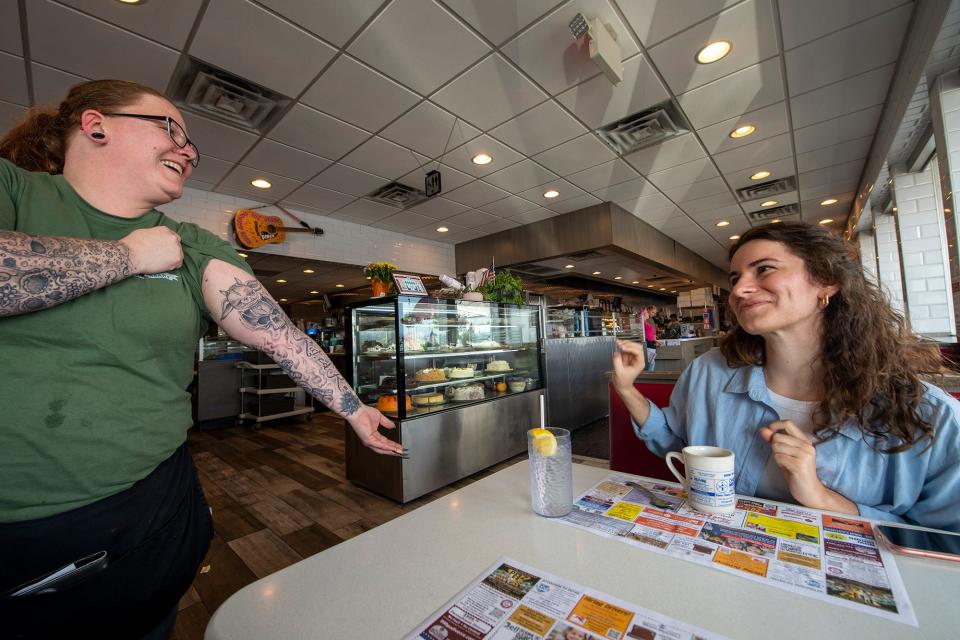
[[156, 534]]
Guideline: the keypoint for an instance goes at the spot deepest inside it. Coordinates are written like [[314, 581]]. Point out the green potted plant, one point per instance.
[[504, 287], [380, 275]]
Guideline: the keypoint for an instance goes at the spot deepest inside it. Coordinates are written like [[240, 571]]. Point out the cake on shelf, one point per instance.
[[498, 365], [467, 392], [459, 372], [389, 403], [485, 344], [430, 375], [429, 399]]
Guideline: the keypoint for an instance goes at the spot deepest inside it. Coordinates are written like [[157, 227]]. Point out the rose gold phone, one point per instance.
[[941, 545]]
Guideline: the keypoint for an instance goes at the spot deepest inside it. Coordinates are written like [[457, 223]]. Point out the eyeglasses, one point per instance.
[[174, 130]]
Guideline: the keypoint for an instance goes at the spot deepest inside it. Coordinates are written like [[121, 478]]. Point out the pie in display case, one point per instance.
[[461, 379]]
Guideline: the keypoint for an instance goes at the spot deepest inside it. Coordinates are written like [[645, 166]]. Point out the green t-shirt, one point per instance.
[[94, 393]]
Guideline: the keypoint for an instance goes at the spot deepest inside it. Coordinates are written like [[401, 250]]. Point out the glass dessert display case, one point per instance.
[[462, 380]]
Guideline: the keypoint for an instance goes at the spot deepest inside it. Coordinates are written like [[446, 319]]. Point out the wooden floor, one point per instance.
[[280, 495]]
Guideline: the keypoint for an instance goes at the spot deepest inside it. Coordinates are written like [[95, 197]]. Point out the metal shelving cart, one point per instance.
[[266, 393]]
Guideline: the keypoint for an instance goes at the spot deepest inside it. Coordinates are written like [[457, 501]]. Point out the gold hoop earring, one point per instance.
[[824, 302]]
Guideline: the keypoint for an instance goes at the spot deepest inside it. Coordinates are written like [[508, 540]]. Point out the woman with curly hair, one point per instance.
[[817, 390]]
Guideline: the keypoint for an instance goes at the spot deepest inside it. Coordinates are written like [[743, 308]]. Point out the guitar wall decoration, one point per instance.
[[254, 229]]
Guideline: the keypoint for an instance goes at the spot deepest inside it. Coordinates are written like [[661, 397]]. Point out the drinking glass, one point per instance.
[[551, 475]]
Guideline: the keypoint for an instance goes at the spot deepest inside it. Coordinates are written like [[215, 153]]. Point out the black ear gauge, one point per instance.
[[97, 135]]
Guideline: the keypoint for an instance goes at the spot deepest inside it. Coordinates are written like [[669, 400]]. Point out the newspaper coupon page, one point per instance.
[[830, 558], [514, 601]]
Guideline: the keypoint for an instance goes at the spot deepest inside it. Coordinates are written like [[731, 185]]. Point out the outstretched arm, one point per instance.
[[39, 272], [249, 314]]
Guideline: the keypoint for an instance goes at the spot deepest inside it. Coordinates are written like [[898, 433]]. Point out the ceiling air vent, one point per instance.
[[585, 255], [397, 195], [646, 128], [534, 269], [775, 212], [216, 94], [765, 189]]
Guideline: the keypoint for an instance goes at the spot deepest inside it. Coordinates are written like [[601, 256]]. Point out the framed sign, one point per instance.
[[431, 183], [408, 285]]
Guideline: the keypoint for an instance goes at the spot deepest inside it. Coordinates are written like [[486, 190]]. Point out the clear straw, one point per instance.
[[543, 413]]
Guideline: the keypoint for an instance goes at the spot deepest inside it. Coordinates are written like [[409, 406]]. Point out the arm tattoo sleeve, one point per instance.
[[39, 272], [297, 354]]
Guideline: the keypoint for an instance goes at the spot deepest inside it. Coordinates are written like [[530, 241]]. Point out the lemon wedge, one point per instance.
[[544, 442]]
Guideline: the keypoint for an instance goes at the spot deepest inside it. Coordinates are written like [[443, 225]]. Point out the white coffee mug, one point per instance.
[[709, 481]]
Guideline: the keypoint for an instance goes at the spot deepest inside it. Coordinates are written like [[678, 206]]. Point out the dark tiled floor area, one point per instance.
[[279, 495]]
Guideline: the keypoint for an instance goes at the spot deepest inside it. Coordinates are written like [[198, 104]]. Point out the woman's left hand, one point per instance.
[[797, 459]]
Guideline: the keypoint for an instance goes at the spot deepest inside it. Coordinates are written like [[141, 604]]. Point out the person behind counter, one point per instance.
[[817, 389], [650, 336], [102, 301]]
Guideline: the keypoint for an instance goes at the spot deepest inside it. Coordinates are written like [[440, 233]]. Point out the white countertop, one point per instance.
[[383, 583]]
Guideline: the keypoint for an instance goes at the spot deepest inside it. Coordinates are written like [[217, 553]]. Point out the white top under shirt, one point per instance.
[[773, 486]]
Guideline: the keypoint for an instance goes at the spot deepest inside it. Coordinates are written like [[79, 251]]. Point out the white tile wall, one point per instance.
[[944, 111], [342, 241], [868, 255], [923, 243], [888, 259]]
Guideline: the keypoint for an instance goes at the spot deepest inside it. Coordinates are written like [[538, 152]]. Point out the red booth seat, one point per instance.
[[628, 453]]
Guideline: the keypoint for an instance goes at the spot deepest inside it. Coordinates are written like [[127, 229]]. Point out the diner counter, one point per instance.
[[385, 582]]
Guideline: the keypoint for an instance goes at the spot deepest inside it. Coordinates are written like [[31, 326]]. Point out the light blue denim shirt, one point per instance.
[[713, 404]]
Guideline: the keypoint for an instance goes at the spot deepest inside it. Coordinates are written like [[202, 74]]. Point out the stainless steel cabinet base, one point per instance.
[[445, 447]]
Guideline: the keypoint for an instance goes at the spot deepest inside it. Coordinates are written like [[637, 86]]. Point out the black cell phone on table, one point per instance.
[[941, 545]]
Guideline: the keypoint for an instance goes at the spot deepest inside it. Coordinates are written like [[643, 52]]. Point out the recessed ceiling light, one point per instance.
[[442, 229], [568, 266], [260, 183], [131, 1], [713, 52], [281, 281], [308, 270], [552, 193], [618, 277], [635, 282], [768, 203], [775, 221], [242, 255], [760, 175], [339, 286], [743, 132], [596, 273], [663, 288], [481, 158], [734, 237], [283, 299], [673, 291], [650, 286], [828, 201], [723, 223], [314, 291], [826, 221]]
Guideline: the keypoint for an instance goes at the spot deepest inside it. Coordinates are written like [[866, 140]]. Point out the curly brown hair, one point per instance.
[[39, 142], [872, 374]]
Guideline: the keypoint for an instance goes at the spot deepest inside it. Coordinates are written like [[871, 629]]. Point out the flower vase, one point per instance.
[[380, 288]]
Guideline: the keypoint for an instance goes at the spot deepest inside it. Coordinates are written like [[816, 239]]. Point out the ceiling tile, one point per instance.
[[750, 155], [363, 211], [476, 194], [167, 22], [827, 190], [309, 130], [647, 206], [245, 39], [521, 176], [501, 224], [430, 130], [769, 121], [693, 207], [10, 114], [10, 28], [535, 215], [461, 236], [57, 33], [684, 174], [402, 221], [419, 44], [318, 198], [804, 20], [50, 85], [217, 140], [836, 174], [848, 127], [190, 182], [778, 169], [473, 219], [735, 94], [429, 231], [550, 55], [498, 20], [603, 175], [334, 20], [781, 199], [286, 161], [635, 188], [511, 207], [697, 190], [576, 155], [656, 20], [837, 154], [598, 103], [450, 179], [574, 204], [211, 170], [490, 93], [564, 188], [670, 153], [749, 26], [844, 97], [539, 129], [862, 47], [239, 180], [14, 86], [439, 208], [357, 94], [384, 158], [462, 157], [340, 177]]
